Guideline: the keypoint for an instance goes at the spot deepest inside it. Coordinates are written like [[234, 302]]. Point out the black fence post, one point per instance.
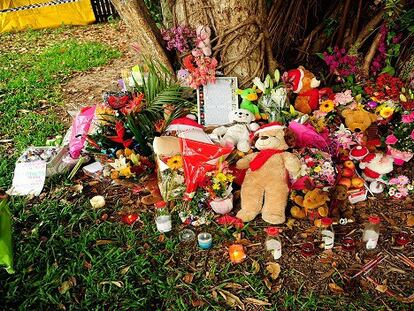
[[103, 9]]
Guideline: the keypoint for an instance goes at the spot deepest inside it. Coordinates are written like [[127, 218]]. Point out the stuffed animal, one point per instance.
[[313, 200], [188, 128], [238, 133], [305, 85], [339, 208], [358, 120], [265, 187], [203, 44], [248, 97], [374, 168]]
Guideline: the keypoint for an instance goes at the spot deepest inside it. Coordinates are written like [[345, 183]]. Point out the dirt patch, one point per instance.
[[86, 88]]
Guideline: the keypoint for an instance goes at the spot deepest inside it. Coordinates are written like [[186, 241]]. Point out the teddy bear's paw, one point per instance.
[[274, 219], [297, 212], [246, 216]]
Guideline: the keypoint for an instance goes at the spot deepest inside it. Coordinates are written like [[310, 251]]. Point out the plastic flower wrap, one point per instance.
[[400, 187], [171, 177], [402, 137], [317, 165]]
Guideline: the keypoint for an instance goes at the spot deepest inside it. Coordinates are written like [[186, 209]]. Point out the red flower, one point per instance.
[[134, 105], [231, 221], [188, 63], [120, 132], [117, 102]]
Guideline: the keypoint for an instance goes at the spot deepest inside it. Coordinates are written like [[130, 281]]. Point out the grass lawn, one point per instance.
[[69, 256]]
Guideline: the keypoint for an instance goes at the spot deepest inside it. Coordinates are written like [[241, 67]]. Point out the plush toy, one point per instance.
[[313, 200], [374, 168], [188, 128], [265, 187], [305, 85], [248, 97], [203, 41], [339, 208], [358, 120], [238, 133]]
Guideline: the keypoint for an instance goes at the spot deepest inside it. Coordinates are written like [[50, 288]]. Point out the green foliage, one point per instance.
[[28, 81], [154, 7]]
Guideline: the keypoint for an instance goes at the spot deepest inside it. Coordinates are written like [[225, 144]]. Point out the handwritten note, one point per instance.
[[29, 178]]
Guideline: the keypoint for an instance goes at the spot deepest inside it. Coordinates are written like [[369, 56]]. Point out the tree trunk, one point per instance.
[[242, 41], [135, 14]]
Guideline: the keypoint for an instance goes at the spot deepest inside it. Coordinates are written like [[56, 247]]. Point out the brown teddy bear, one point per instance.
[[265, 188], [305, 85], [313, 200], [340, 208], [358, 120]]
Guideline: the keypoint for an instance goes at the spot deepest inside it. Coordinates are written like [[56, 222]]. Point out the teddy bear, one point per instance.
[[358, 120], [304, 83], [315, 200], [265, 187], [374, 168], [339, 207], [248, 97], [203, 44], [238, 133]]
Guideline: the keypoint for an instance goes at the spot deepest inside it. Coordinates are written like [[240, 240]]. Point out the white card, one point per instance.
[[29, 178]]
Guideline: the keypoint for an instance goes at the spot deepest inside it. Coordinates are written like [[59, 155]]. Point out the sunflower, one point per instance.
[[327, 106], [386, 112], [175, 162]]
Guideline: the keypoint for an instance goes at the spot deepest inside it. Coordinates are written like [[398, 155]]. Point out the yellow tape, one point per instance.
[[73, 13]]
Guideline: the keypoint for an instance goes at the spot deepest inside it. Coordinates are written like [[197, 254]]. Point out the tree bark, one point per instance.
[[242, 41], [135, 14]]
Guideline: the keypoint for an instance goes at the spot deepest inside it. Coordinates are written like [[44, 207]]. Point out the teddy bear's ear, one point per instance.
[[373, 117], [346, 113], [290, 138]]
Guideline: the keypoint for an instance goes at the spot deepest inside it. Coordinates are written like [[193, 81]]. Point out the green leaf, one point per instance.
[[388, 69]]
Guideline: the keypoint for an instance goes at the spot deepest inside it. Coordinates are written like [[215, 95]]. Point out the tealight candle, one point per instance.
[[402, 238], [186, 235], [308, 249], [205, 240], [237, 253]]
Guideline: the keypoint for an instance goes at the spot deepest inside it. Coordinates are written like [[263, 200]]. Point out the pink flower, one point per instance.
[[412, 135], [343, 98], [408, 118], [403, 180], [391, 140], [393, 181]]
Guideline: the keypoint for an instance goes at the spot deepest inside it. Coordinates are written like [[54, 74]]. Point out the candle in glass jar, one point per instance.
[[237, 253], [129, 219], [402, 238], [205, 240]]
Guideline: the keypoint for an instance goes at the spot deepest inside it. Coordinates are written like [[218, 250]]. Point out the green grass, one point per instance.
[[28, 81], [56, 242]]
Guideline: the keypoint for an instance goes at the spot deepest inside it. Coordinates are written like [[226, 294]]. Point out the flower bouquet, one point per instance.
[[171, 177], [274, 98], [218, 183], [400, 143], [317, 165], [399, 187]]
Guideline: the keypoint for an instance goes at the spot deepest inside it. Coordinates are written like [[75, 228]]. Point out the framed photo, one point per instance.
[[215, 101]]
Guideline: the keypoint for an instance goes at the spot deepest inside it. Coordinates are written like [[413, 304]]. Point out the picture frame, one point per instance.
[[216, 100]]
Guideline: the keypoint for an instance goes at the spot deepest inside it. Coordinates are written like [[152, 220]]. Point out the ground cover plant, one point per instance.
[[69, 256]]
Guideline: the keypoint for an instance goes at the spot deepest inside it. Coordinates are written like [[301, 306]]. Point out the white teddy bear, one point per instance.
[[237, 134]]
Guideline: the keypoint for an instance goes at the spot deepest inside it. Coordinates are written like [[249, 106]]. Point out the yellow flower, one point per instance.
[[386, 112], [317, 169], [175, 162], [230, 177], [216, 186], [126, 172], [221, 177], [327, 106]]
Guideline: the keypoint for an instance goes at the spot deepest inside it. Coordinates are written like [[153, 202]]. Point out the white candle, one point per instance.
[[163, 223], [371, 238]]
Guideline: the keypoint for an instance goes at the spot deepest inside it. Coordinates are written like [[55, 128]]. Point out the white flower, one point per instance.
[[279, 96], [391, 192], [119, 164], [260, 85], [410, 187], [398, 195]]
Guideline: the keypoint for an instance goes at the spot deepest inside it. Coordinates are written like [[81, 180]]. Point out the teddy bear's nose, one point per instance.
[[357, 130], [240, 113]]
